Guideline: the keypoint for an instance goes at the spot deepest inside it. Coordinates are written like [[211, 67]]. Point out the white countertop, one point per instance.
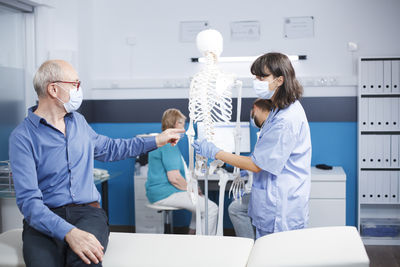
[[336, 174]]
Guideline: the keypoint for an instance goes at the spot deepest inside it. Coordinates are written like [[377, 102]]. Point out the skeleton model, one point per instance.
[[210, 101]]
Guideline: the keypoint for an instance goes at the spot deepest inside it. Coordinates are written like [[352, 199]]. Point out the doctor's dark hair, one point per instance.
[[170, 117], [279, 64], [263, 104]]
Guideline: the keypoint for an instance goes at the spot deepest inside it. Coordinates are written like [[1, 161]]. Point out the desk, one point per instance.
[[11, 217], [103, 180]]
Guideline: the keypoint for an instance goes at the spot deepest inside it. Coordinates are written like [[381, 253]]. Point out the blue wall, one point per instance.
[[333, 143]]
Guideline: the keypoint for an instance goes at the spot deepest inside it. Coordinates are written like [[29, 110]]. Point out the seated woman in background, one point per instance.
[[166, 184]]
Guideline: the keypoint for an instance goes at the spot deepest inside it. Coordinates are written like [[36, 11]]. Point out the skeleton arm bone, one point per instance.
[[239, 110], [222, 184], [237, 185], [190, 134]]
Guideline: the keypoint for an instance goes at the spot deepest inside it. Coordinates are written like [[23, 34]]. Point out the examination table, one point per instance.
[[325, 246]]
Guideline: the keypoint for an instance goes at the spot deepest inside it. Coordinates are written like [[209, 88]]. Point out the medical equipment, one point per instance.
[[6, 182], [224, 135], [210, 101]]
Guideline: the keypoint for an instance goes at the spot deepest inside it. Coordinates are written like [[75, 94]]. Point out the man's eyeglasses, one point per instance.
[[77, 84]]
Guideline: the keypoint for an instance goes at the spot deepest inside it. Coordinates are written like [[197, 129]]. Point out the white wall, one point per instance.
[[12, 58], [12, 43], [92, 34]]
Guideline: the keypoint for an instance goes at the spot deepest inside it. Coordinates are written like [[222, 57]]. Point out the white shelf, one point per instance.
[[336, 174], [380, 203], [378, 126], [380, 241], [381, 94]]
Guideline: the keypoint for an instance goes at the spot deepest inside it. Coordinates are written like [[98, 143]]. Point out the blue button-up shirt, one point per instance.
[[51, 169], [280, 191]]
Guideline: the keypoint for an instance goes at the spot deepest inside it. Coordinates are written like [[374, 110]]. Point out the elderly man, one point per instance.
[[52, 154]]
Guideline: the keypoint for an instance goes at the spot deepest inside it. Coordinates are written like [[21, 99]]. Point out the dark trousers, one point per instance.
[[42, 250]]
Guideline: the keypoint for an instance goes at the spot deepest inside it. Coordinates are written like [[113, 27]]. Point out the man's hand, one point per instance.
[[85, 245], [169, 136]]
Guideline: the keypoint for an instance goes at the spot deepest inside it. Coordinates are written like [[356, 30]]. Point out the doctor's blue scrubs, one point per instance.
[[280, 191]]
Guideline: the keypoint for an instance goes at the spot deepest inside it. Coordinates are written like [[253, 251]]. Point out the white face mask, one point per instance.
[[253, 122], [261, 89], [75, 99]]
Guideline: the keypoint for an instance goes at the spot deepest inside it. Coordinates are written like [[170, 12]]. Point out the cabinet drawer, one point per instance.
[[142, 209], [327, 212], [140, 185], [140, 190], [148, 219], [328, 190], [159, 229], [141, 196]]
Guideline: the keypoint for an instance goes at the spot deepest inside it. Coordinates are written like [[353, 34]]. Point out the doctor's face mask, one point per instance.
[[261, 88]]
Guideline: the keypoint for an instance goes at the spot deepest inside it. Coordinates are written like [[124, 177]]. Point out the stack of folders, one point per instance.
[[380, 77], [379, 151], [380, 186], [379, 114]]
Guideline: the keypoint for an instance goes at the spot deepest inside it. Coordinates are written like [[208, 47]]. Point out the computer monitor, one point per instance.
[[224, 137]]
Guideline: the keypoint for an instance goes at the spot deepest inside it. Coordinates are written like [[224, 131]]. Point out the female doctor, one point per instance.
[[281, 160]]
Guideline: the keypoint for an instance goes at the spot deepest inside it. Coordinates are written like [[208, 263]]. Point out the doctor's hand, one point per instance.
[[205, 148], [244, 173], [171, 135], [85, 245]]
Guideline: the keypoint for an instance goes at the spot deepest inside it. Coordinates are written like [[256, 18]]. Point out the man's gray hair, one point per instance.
[[50, 71]]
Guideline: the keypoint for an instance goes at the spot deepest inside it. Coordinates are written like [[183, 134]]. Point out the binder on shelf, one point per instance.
[[386, 192], [379, 113], [387, 76], [370, 151], [379, 151], [396, 76], [371, 76], [363, 114], [371, 114], [386, 151], [387, 113], [394, 151], [393, 116], [394, 187], [395, 113], [397, 116], [363, 186], [364, 77], [378, 187], [363, 151], [371, 186], [378, 84]]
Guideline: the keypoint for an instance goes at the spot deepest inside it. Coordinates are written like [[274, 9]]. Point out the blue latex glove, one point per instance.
[[205, 149], [243, 173]]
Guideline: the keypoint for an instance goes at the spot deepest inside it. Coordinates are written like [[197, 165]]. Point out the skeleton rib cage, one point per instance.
[[210, 98]]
